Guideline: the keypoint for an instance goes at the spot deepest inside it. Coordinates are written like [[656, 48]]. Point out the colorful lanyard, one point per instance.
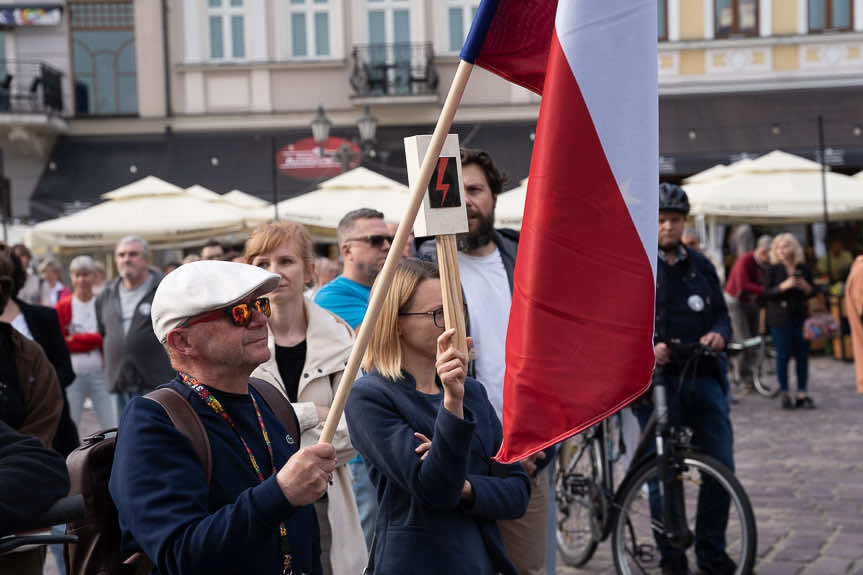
[[214, 404]]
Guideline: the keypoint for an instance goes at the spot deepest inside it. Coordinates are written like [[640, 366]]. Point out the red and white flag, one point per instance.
[[580, 339]]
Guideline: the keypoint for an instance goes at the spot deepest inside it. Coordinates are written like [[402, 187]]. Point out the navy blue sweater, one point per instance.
[[422, 527], [167, 510]]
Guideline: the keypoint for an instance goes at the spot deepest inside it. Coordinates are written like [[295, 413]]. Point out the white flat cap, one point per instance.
[[203, 286]]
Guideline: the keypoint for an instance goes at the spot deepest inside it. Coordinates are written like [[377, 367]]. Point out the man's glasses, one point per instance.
[[375, 241], [437, 315], [240, 314]]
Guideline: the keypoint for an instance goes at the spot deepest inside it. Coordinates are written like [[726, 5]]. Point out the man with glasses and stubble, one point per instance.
[[364, 241], [255, 515]]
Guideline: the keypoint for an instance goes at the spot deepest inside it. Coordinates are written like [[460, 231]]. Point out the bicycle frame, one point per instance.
[[658, 431]]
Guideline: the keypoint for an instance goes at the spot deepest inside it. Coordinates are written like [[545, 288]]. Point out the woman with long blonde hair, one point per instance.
[[428, 433], [309, 348], [787, 287]]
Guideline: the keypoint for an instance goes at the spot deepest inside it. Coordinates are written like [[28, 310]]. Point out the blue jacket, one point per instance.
[[422, 526], [167, 510]]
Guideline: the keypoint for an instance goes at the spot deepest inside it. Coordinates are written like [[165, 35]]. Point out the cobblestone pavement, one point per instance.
[[803, 471]]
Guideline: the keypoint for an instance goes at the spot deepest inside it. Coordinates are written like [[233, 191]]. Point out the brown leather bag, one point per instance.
[[98, 550]]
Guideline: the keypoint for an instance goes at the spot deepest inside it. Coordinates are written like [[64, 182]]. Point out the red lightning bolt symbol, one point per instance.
[[441, 171]]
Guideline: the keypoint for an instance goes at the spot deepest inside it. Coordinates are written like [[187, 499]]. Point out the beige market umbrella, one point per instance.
[[777, 187], [244, 200], [169, 217], [149, 186], [510, 207], [323, 208], [203, 193]]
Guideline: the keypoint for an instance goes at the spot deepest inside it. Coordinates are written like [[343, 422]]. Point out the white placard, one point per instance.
[[443, 208]]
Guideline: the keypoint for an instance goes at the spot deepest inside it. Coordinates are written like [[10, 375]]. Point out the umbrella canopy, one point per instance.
[[777, 187], [510, 207], [244, 200], [717, 172], [168, 217], [203, 193], [325, 207], [149, 186]]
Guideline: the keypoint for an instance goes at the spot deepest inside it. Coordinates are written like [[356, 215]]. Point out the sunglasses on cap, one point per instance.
[[375, 241], [240, 314]]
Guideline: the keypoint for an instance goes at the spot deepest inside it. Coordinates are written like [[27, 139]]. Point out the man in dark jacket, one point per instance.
[[32, 478], [255, 516], [135, 362], [486, 264], [690, 309]]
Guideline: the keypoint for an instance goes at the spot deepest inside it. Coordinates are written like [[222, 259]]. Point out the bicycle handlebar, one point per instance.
[[63, 510]]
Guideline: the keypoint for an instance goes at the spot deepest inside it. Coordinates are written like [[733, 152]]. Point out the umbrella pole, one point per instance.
[[275, 160], [824, 196]]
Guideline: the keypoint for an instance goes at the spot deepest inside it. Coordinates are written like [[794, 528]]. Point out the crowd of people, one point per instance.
[[408, 484]]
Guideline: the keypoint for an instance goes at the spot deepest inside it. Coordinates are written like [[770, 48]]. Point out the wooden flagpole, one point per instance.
[[385, 277]]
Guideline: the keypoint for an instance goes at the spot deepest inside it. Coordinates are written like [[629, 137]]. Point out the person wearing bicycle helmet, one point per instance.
[[690, 310]]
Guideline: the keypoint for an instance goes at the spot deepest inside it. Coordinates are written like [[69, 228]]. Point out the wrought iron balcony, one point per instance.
[[383, 70], [30, 88]]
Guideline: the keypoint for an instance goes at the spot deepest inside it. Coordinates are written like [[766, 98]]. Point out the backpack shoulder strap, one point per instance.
[[280, 405], [187, 422]]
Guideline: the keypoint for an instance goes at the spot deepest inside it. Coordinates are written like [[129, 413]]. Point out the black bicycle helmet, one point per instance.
[[672, 198]]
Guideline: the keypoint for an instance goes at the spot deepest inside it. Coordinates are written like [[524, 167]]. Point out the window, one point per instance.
[[662, 15], [460, 15], [103, 58], [830, 15], [310, 28], [736, 18], [227, 26]]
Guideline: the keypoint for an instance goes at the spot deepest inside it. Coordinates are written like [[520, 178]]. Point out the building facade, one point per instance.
[[212, 92]]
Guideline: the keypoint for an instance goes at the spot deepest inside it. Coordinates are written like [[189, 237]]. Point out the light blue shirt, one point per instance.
[[345, 298]]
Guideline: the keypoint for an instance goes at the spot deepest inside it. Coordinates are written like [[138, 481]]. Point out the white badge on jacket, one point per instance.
[[695, 302]]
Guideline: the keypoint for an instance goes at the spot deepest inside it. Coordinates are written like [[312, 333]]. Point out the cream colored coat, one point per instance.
[[328, 344]]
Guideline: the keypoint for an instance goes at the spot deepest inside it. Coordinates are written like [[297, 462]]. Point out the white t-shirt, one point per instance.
[[84, 321], [486, 290]]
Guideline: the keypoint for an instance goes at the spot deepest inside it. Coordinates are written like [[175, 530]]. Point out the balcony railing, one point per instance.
[[382, 70], [30, 87]]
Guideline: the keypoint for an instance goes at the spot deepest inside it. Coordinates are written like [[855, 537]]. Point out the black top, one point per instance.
[[13, 410], [789, 305], [44, 326], [32, 478], [290, 361]]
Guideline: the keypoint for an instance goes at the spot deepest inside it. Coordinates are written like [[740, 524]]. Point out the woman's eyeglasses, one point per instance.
[[240, 314], [375, 241], [437, 315]]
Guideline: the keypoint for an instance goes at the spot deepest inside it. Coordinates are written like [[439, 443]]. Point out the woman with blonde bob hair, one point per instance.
[[428, 433], [787, 286], [309, 348]]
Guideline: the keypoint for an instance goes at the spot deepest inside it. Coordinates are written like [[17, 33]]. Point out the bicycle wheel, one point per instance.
[[635, 541], [764, 370], [580, 505]]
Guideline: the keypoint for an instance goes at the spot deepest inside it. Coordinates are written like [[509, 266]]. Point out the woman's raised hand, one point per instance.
[[451, 364]]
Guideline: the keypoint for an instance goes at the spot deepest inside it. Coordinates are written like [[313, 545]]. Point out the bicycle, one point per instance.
[[63, 510], [764, 365], [637, 515]]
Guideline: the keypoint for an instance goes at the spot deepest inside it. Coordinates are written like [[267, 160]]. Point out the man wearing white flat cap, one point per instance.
[[255, 516]]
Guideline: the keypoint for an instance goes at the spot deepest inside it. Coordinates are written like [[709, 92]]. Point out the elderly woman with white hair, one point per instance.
[[77, 313]]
